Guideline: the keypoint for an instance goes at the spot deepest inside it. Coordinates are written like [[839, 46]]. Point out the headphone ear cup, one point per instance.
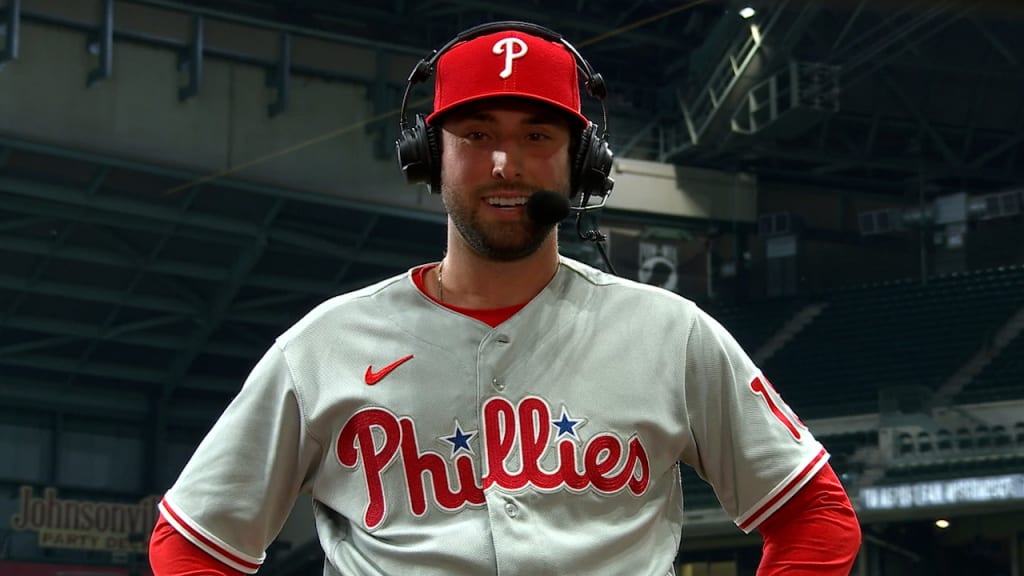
[[579, 161], [593, 165], [419, 155], [434, 153]]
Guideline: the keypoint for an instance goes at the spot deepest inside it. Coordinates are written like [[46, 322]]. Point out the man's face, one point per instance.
[[495, 154]]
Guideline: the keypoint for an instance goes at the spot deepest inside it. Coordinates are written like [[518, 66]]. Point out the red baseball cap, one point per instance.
[[507, 63]]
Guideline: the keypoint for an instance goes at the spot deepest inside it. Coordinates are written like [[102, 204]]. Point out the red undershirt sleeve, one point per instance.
[[170, 554], [816, 533]]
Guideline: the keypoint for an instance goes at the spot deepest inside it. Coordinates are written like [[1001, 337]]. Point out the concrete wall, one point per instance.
[[319, 144]]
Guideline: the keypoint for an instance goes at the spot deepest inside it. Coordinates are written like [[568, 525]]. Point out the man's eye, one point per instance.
[[538, 136], [475, 135]]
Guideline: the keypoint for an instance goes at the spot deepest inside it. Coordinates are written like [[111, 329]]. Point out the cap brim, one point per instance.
[[574, 114]]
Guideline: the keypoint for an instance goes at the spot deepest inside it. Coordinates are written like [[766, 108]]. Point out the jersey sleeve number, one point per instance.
[[763, 388]]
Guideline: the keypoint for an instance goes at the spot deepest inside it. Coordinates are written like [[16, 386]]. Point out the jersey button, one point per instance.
[[499, 385], [503, 339], [511, 509]]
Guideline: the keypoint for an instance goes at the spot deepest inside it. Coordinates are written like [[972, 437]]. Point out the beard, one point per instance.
[[506, 240]]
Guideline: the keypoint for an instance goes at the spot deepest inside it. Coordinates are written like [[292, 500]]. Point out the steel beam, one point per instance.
[[192, 61], [124, 404], [42, 344], [92, 294], [38, 269], [997, 44], [873, 61], [990, 155], [398, 259], [192, 9], [279, 76], [12, 31], [557, 19], [24, 245], [291, 284], [56, 447], [270, 319], [266, 301], [238, 185], [910, 167], [102, 44], [53, 397], [144, 264], [702, 110], [847, 27], [364, 237], [125, 334], [209, 52], [18, 224], [922, 122], [252, 314], [87, 215], [137, 276], [64, 365], [68, 331], [65, 195], [159, 410], [221, 303]]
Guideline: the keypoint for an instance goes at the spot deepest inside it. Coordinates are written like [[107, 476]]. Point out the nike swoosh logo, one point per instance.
[[372, 377]]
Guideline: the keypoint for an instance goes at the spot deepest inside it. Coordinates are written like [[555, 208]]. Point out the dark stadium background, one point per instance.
[[182, 180]]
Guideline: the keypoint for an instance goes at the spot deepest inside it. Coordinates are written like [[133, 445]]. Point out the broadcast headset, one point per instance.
[[418, 148]]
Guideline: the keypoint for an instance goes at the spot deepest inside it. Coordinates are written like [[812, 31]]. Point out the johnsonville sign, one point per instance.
[[85, 524]]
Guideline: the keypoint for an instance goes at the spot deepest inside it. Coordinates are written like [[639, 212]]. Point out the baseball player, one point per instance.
[[507, 410]]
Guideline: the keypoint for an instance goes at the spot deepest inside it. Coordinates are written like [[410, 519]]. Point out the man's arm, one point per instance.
[[236, 491], [816, 533]]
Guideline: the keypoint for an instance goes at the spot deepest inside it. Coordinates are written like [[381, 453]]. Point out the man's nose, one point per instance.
[[505, 164]]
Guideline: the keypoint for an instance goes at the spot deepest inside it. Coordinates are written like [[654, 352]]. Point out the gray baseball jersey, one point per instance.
[[434, 444]]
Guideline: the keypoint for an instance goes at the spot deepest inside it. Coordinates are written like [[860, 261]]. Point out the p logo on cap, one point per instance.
[[512, 48]]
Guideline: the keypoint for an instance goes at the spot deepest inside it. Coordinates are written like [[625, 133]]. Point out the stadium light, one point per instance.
[[747, 12], [942, 523]]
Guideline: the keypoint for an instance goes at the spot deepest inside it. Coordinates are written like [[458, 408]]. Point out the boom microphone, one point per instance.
[[546, 207]]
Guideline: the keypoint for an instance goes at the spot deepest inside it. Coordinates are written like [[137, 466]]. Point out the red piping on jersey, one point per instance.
[[801, 477], [249, 566]]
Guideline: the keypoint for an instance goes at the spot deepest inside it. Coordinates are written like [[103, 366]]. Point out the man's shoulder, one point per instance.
[[612, 285], [349, 307]]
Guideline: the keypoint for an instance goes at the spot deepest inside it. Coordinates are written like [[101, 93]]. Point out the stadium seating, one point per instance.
[[883, 337], [896, 334], [1003, 379], [843, 446], [954, 468], [753, 324], [697, 494]]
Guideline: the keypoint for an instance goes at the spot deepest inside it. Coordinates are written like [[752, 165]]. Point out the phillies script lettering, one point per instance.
[[515, 440]]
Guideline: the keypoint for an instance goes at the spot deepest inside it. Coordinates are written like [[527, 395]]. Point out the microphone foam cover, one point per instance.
[[546, 207]]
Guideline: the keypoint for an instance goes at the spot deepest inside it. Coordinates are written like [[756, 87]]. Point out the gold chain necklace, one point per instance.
[[440, 284]]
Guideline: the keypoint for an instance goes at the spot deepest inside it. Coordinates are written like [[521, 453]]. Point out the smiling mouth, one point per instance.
[[506, 203]]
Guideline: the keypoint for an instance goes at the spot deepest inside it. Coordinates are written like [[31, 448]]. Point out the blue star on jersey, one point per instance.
[[460, 439], [567, 425]]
